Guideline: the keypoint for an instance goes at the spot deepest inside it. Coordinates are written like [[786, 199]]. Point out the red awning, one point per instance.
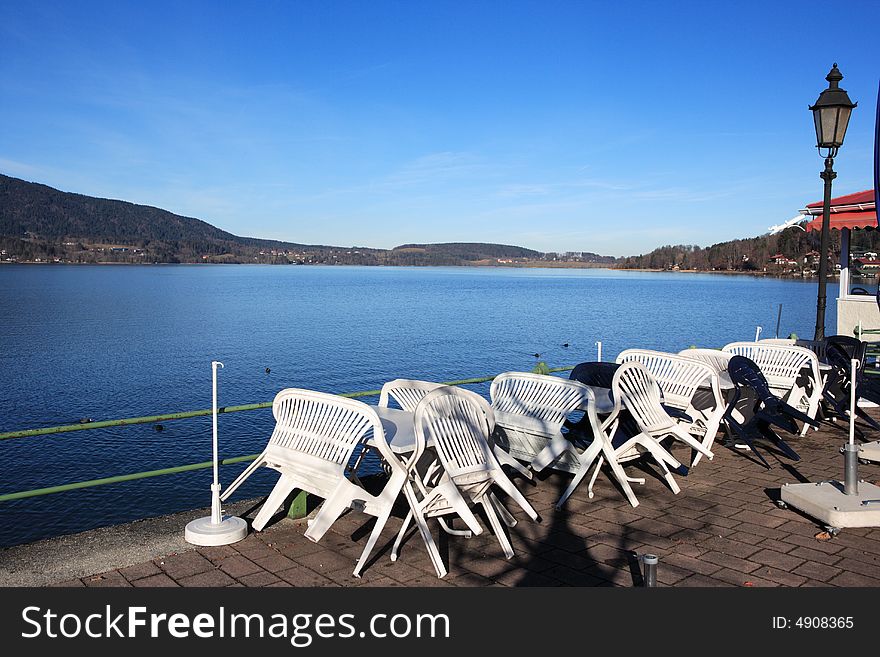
[[850, 211], [866, 219], [859, 198]]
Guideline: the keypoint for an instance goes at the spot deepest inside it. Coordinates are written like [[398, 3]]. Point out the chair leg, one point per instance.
[[552, 451], [395, 549], [330, 510], [667, 475], [506, 459], [512, 491], [418, 517], [506, 518], [585, 460], [497, 527], [276, 498], [595, 476], [381, 519], [687, 438]]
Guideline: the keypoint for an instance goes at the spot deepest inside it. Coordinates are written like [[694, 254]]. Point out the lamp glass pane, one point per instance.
[[829, 127], [845, 113]]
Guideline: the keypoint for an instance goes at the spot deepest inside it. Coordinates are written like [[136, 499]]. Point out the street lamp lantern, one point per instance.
[[831, 115]]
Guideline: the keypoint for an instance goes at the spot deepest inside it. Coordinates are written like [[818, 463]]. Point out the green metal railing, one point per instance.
[[149, 419]]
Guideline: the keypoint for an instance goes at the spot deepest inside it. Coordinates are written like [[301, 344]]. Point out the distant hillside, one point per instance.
[[39, 223], [793, 251]]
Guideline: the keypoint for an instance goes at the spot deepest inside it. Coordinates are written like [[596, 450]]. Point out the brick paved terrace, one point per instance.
[[723, 529]]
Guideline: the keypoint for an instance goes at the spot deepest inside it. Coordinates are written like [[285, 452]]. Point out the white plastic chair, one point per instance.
[[409, 392], [633, 387], [679, 379], [313, 441], [406, 392], [458, 424], [715, 357], [530, 410], [782, 365]]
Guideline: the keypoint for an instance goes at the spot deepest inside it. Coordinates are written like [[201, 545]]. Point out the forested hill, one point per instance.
[[39, 223], [754, 254]]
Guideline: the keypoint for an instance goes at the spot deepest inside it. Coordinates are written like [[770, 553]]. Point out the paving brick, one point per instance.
[[815, 555], [108, 579], [702, 581], [847, 578], [325, 560], [777, 559], [154, 581], [211, 578], [755, 518], [237, 566], [302, 576], [781, 577], [729, 561], [262, 578], [184, 564], [139, 571], [816, 571], [732, 546]]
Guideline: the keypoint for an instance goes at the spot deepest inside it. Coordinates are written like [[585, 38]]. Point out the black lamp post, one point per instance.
[[831, 114]]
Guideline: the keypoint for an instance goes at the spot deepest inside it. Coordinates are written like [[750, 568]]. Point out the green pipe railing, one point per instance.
[[20, 495]]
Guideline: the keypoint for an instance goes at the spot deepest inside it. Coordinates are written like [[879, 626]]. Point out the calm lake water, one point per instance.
[[110, 342]]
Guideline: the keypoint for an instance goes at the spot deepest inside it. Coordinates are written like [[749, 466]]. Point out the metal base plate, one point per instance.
[[827, 502], [870, 451], [204, 532]]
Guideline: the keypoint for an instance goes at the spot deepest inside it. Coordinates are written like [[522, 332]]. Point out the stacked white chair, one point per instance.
[[530, 410], [679, 379], [312, 444], [458, 424], [406, 392], [634, 388], [716, 358], [409, 392], [783, 366]]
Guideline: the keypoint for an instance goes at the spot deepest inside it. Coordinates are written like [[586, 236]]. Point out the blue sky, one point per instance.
[[559, 126]]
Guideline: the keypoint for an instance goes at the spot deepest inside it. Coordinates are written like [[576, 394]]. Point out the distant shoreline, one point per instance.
[[533, 265]]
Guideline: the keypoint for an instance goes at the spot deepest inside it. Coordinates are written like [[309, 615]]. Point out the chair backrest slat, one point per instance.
[[713, 357], [780, 364], [406, 392], [548, 399], [459, 422], [319, 424], [638, 391], [678, 377]]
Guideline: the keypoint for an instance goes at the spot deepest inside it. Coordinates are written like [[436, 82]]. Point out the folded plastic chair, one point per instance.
[[840, 351], [792, 372], [530, 410], [458, 424], [767, 409], [409, 392], [680, 379], [633, 429], [313, 442]]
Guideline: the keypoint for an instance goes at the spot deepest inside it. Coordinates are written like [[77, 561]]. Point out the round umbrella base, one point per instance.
[[204, 532]]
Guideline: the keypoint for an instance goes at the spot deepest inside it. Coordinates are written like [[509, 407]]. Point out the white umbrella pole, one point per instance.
[[850, 450], [599, 350], [757, 333], [215, 529], [216, 511]]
